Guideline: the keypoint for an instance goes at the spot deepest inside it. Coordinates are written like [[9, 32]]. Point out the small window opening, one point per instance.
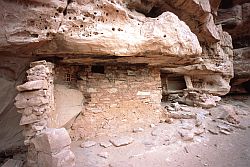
[[172, 86], [68, 77], [97, 69], [176, 82]]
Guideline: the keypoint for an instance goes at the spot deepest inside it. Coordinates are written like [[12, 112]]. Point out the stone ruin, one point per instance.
[[47, 145], [91, 65]]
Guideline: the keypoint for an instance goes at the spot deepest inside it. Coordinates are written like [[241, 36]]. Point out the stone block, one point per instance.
[[121, 141], [52, 140], [26, 111], [38, 101], [186, 135], [140, 93], [181, 115], [226, 112], [64, 158], [37, 77], [28, 131], [31, 94], [91, 90], [33, 85], [29, 119], [22, 103], [113, 90], [88, 144], [38, 70], [105, 144], [35, 63]]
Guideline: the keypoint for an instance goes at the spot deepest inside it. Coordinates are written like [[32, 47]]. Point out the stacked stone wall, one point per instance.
[[116, 98], [35, 101]]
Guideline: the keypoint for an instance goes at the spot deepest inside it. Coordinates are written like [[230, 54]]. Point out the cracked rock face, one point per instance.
[[235, 19]]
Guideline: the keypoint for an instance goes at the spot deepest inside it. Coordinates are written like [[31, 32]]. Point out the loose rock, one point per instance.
[[105, 144], [186, 125], [152, 125], [103, 154], [199, 131], [88, 144], [186, 135], [136, 130], [224, 132], [121, 141], [214, 131]]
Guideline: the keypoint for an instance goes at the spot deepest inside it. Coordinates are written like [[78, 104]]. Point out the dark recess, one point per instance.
[[97, 69], [154, 12], [246, 85], [65, 10], [241, 42], [225, 4], [52, 59]]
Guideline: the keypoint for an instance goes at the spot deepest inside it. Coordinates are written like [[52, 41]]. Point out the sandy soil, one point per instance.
[[162, 146]]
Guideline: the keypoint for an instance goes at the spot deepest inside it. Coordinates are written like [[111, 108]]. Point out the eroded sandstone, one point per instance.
[[119, 58], [235, 20]]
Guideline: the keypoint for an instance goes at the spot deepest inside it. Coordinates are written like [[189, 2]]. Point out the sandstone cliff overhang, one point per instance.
[[100, 28]]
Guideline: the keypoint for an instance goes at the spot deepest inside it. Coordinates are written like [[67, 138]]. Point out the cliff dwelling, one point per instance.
[[113, 83], [103, 92]]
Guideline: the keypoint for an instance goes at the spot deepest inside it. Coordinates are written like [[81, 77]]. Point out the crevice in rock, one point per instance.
[[154, 12], [65, 10], [246, 85]]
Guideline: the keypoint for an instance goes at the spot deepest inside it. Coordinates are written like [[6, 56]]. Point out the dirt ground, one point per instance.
[[162, 145]]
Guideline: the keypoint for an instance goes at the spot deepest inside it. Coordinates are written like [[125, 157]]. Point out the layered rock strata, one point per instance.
[[36, 102], [235, 19]]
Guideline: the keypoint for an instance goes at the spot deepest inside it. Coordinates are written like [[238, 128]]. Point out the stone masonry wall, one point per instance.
[[117, 97], [35, 100], [46, 146]]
